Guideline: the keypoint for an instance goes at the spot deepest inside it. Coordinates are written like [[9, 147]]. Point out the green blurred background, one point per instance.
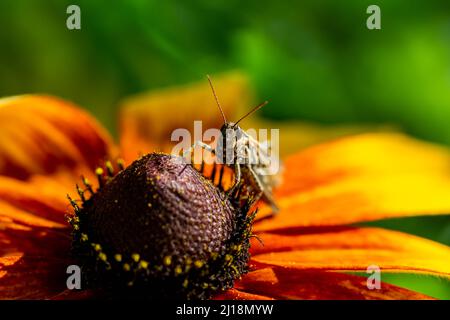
[[315, 60]]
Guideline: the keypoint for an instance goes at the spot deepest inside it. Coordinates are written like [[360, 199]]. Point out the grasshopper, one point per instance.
[[244, 154]]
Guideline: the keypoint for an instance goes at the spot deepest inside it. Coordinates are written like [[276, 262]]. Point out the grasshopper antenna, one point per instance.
[[251, 111], [217, 100]]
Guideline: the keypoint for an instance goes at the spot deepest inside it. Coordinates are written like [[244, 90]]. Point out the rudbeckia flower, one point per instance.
[[304, 252]]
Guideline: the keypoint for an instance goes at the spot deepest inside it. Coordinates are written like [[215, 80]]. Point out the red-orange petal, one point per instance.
[[78, 295], [32, 205], [354, 249], [362, 178], [32, 277], [234, 294], [34, 241], [44, 135], [33, 261], [280, 283]]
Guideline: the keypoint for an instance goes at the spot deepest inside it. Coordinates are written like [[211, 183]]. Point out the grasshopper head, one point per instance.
[[231, 132]]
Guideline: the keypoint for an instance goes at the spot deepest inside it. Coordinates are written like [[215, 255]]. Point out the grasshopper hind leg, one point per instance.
[[264, 194]]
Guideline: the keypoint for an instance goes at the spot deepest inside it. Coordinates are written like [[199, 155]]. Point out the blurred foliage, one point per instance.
[[314, 59]]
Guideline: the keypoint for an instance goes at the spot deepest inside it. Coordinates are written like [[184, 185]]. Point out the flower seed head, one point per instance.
[[161, 229]]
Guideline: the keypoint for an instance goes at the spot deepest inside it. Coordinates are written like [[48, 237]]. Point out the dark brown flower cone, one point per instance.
[[160, 223]]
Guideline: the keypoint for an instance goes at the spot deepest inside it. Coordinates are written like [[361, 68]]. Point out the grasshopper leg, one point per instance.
[[264, 193], [237, 178], [199, 144]]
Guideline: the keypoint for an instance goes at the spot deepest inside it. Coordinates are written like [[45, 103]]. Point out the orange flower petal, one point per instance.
[[362, 178], [284, 284], [148, 120], [43, 135], [30, 204], [298, 135], [79, 295], [33, 262], [38, 277], [9, 260], [12, 217], [354, 249], [234, 294], [36, 241]]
